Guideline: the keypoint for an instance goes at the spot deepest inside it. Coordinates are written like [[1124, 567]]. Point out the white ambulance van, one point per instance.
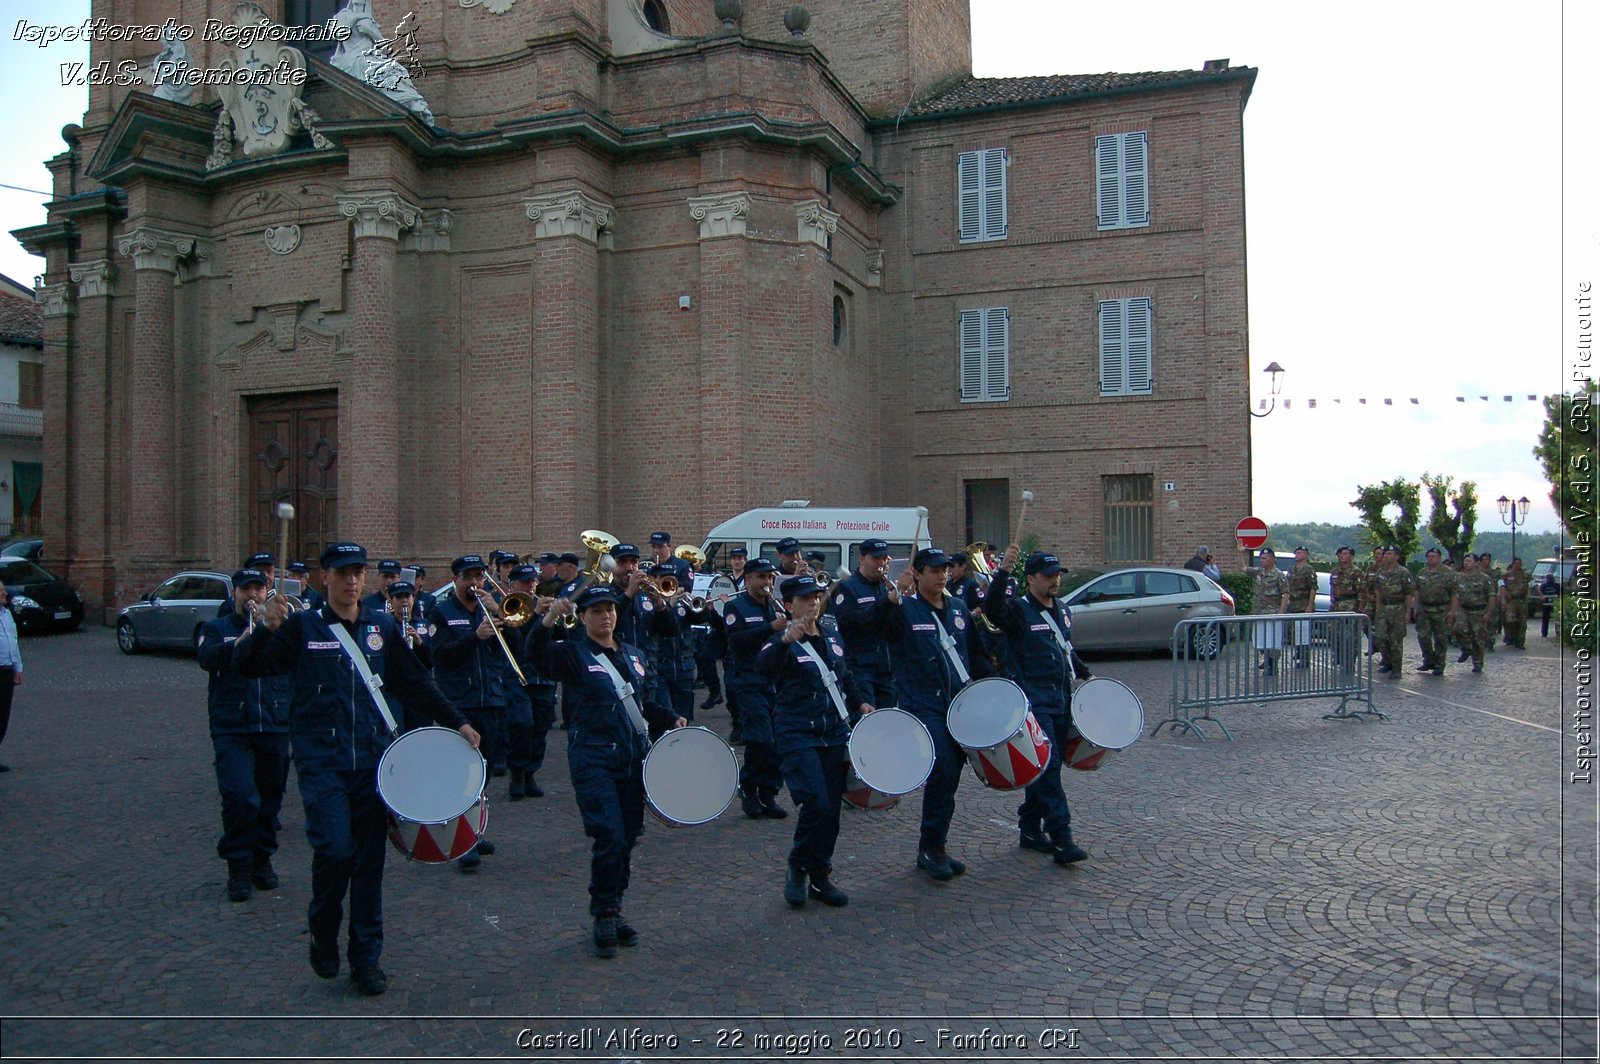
[[835, 531]]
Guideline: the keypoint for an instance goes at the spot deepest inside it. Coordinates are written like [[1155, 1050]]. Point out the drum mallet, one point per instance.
[[285, 515], [1027, 497]]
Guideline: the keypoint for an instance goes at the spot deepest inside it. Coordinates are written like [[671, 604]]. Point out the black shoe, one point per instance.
[[794, 888], [936, 865], [1069, 852], [1424, 667], [1464, 656], [1477, 668], [324, 958], [370, 981], [1035, 841], [238, 880], [1438, 670], [714, 700], [517, 791], [485, 848], [958, 867], [262, 874], [626, 935], [824, 891], [469, 864], [772, 810], [750, 804], [5, 768], [1384, 668], [736, 736], [531, 785], [499, 770], [605, 935]]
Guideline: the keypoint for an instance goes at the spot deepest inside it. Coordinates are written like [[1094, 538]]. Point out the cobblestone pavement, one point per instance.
[[1314, 890]]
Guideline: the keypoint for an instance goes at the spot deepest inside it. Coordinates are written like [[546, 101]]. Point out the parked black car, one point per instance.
[[40, 600]]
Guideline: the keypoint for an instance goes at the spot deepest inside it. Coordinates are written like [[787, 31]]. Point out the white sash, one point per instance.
[[373, 683], [1066, 646], [948, 642], [624, 693], [829, 680]]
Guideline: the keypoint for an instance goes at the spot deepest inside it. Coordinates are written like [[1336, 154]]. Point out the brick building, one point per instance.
[[630, 266]]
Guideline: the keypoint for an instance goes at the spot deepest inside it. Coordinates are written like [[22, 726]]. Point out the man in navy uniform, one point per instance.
[[337, 736], [928, 644], [606, 744], [549, 583], [569, 572], [738, 558], [532, 710], [1038, 631], [749, 620], [468, 665], [661, 553], [250, 738], [310, 595], [863, 604], [388, 573], [671, 650], [788, 557]]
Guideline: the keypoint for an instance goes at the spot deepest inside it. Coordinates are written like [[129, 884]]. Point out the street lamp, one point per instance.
[[1274, 369], [1513, 514]]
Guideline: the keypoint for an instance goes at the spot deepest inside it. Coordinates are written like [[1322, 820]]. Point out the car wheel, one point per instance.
[[1205, 641], [127, 639]]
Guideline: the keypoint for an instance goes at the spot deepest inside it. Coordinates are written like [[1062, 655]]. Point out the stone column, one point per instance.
[[571, 228], [369, 413], [725, 357]]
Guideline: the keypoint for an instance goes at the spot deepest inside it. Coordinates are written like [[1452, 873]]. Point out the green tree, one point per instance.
[[1453, 514], [1371, 501], [1567, 451]]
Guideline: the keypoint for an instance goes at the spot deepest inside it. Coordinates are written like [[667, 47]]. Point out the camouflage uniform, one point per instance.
[[1515, 614], [1348, 582], [1436, 588], [1369, 599], [1473, 591], [1496, 575], [1302, 599], [1271, 585], [1392, 590]]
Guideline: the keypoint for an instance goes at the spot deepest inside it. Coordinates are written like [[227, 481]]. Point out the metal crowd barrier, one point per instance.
[[1226, 661]]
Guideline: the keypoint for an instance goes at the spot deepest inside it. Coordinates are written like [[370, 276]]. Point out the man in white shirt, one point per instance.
[[10, 663]]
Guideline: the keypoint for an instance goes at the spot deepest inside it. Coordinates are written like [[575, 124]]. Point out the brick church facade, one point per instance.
[[648, 265]]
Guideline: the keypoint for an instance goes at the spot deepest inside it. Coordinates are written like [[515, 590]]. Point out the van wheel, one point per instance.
[[127, 640]]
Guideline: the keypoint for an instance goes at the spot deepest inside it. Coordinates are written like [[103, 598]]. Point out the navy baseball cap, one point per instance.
[[569, 558], [420, 571], [796, 586], [529, 573], [498, 556], [256, 561], [467, 562], [760, 565], [299, 567], [788, 545], [738, 552], [549, 557], [247, 576], [660, 539], [816, 556], [1041, 563], [389, 565], [402, 587], [624, 550], [874, 548], [930, 558], [341, 555], [594, 596], [960, 557]]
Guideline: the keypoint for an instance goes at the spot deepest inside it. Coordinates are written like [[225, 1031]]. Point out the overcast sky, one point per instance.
[[1404, 201]]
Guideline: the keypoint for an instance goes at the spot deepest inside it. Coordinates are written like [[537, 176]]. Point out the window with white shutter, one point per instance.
[[1122, 179], [985, 355], [1127, 347], [981, 192]]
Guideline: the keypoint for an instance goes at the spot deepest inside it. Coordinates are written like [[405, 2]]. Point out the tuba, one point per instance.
[[693, 555]]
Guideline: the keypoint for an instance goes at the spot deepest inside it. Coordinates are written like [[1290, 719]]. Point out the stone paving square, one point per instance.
[[1314, 890]]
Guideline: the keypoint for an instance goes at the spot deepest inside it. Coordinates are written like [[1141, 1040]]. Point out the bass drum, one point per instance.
[[432, 781], [990, 720], [690, 776], [1107, 716], [891, 753]]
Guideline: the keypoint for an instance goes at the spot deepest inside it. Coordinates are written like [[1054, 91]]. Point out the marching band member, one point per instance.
[[738, 558], [815, 696], [468, 665], [661, 554], [1038, 632], [568, 571], [425, 599], [789, 563], [338, 736], [863, 605], [750, 619], [250, 737], [928, 645], [606, 744], [388, 573], [964, 585], [261, 562], [312, 597], [672, 649], [528, 726], [402, 606], [549, 583]]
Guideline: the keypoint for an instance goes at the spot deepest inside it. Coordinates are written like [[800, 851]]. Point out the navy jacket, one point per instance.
[[864, 613], [1037, 662], [470, 671], [803, 713], [597, 717], [333, 724], [238, 703], [748, 626], [924, 679]]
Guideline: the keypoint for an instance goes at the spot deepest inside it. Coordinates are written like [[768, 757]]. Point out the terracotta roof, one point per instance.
[[978, 93], [21, 320]]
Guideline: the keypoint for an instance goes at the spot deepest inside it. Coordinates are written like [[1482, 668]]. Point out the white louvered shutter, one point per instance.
[[971, 355], [1107, 180], [969, 193], [1135, 180], [997, 354], [1137, 345], [1112, 380], [994, 194]]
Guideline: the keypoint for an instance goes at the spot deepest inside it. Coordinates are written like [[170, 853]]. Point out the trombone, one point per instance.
[[485, 602], [516, 608]]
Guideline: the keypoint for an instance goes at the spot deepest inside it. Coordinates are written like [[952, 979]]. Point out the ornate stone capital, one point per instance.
[[874, 267], [156, 249], [55, 298], [815, 222], [570, 213], [431, 233], [380, 214], [720, 214], [93, 278]]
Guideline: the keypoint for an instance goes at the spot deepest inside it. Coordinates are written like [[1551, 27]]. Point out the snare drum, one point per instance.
[[891, 753], [690, 776], [432, 780], [1107, 717], [990, 720]]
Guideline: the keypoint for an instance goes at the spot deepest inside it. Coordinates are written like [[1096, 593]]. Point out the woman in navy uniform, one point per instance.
[[338, 736], [606, 744], [816, 699]]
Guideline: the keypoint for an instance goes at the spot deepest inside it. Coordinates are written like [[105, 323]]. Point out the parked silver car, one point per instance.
[[171, 616], [1137, 608]]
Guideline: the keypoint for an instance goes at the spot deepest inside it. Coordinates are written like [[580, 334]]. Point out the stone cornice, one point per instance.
[[55, 298], [721, 214], [156, 249], [378, 214], [93, 278], [571, 212], [432, 231], [815, 223]]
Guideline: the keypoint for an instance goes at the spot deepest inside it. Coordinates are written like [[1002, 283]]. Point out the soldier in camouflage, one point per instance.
[[1436, 612], [1302, 598], [1486, 565], [1514, 605], [1392, 590], [1474, 590], [1346, 590], [1272, 595], [1369, 596]]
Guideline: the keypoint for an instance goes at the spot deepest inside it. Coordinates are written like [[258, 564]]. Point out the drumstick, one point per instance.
[[1027, 497]]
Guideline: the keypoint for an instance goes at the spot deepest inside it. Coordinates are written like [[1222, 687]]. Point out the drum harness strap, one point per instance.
[[374, 684], [829, 680], [1066, 647], [624, 693], [948, 642]]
